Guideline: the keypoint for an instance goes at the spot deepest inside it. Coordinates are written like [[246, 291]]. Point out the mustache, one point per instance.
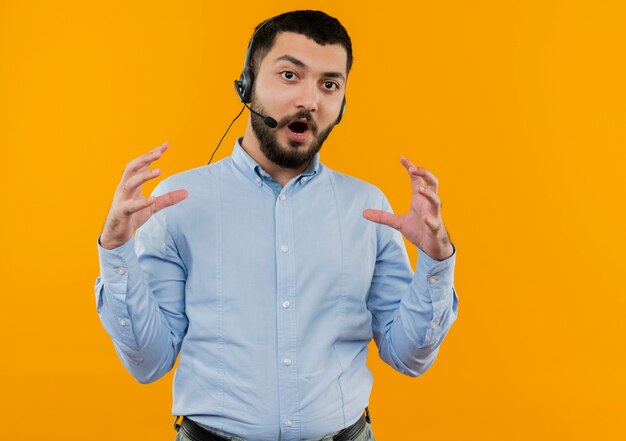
[[298, 115]]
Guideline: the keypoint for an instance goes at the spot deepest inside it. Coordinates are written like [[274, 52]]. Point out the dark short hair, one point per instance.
[[316, 25]]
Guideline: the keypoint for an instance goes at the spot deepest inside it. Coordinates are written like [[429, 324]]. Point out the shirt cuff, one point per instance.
[[115, 263], [438, 274]]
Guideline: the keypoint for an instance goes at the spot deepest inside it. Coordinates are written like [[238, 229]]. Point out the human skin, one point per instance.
[[297, 75]]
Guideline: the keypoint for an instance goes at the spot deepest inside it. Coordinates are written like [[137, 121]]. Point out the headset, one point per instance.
[[243, 86]]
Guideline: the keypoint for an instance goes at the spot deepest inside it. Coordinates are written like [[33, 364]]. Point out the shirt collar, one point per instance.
[[244, 162]]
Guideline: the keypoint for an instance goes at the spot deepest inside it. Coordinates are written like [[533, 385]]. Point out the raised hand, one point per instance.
[[422, 225], [130, 209]]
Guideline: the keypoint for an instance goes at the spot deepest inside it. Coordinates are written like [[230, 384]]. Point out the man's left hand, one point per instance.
[[422, 225]]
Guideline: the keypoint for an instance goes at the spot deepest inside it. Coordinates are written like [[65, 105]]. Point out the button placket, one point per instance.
[[285, 285]]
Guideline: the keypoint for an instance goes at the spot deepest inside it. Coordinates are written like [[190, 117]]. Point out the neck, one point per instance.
[[250, 143]]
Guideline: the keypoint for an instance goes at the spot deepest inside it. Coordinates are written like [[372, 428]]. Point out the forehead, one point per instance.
[[317, 57]]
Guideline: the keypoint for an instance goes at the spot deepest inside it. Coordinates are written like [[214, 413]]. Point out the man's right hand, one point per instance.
[[130, 209]]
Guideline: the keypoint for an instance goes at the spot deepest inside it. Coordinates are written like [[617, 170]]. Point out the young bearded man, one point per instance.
[[270, 273]]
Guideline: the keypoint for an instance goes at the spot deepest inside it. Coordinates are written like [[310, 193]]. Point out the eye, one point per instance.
[[288, 75], [330, 85]]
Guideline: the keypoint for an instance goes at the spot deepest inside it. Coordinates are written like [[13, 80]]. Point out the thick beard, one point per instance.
[[293, 156]]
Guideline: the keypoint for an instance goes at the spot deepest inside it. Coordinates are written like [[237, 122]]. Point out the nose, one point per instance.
[[308, 97]]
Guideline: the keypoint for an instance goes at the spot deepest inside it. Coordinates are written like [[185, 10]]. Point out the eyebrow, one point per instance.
[[301, 64]]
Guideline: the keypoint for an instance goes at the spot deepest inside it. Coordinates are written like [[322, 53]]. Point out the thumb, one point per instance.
[[382, 217]]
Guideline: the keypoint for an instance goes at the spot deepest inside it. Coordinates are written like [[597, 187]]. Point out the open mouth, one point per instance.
[[298, 130], [298, 127]]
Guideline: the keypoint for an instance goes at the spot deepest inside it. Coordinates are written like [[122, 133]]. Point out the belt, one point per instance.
[[352, 431], [196, 432]]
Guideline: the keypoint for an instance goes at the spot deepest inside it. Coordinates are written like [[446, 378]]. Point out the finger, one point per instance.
[[420, 172], [431, 223], [382, 217], [432, 197], [430, 179], [409, 166], [135, 206], [168, 199], [135, 181], [144, 160]]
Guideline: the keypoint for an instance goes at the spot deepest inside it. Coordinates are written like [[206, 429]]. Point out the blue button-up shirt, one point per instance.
[[271, 296]]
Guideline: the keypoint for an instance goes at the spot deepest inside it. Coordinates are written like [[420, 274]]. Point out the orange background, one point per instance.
[[517, 106]]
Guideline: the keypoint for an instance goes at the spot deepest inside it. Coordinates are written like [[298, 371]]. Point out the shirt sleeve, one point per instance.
[[411, 311], [140, 300]]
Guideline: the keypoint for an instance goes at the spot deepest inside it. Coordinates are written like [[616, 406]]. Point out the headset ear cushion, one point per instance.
[[239, 87], [247, 78]]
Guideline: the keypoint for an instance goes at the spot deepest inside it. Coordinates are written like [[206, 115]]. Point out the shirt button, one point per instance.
[[432, 280], [305, 179], [282, 197], [258, 181], [286, 304], [287, 361], [433, 326], [120, 270], [122, 322], [289, 423], [284, 248]]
